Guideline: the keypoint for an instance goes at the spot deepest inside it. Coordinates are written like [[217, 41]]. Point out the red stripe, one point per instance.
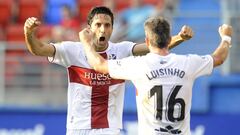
[[100, 95], [100, 92], [100, 106]]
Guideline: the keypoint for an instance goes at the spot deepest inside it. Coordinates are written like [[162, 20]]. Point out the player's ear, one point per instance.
[[147, 41], [169, 40], [88, 26]]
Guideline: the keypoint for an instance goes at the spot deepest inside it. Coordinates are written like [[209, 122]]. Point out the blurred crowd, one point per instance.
[[129, 22], [61, 19]]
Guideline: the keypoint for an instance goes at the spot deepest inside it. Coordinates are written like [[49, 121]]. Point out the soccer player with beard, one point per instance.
[[95, 100]]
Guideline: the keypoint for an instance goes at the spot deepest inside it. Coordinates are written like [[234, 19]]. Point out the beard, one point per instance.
[[101, 43]]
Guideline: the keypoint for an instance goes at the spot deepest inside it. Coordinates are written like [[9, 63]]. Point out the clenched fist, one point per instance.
[[31, 24], [186, 33], [225, 30], [86, 36]]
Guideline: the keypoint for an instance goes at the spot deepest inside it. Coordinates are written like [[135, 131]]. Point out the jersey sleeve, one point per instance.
[[201, 65], [126, 47], [122, 68], [63, 52]]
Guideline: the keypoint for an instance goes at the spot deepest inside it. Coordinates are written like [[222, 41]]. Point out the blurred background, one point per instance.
[[33, 93]]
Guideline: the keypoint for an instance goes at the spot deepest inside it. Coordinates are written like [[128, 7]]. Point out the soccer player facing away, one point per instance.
[[95, 100], [163, 80]]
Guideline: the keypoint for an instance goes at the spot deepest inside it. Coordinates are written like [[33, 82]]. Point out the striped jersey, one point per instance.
[[164, 89], [95, 100]]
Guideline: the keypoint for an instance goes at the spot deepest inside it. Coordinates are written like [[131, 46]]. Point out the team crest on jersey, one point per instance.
[[112, 57]]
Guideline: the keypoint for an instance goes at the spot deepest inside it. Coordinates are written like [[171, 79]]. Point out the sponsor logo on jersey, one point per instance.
[[98, 78], [169, 129], [163, 62], [90, 77]]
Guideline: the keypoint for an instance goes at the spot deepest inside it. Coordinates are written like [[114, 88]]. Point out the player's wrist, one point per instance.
[[184, 37], [29, 33], [226, 38]]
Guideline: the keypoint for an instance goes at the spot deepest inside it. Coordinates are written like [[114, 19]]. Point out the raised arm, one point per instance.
[[94, 59], [221, 53], [34, 45], [186, 33]]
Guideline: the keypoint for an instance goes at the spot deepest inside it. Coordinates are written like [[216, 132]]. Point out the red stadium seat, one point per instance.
[[2, 34], [14, 32], [44, 30], [5, 12], [14, 36], [122, 4], [29, 8], [85, 6], [152, 2]]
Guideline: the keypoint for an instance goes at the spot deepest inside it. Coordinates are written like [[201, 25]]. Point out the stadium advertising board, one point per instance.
[[19, 123]]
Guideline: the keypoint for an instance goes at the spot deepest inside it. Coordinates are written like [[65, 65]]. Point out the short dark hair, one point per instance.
[[99, 10], [158, 30]]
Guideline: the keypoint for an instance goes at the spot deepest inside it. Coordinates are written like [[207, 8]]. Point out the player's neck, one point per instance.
[[162, 52], [101, 48]]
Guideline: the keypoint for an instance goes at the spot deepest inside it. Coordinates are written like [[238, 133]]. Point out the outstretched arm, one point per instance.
[[94, 59], [186, 33], [221, 53], [34, 45]]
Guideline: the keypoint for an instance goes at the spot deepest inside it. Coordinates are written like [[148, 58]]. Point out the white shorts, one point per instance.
[[101, 131]]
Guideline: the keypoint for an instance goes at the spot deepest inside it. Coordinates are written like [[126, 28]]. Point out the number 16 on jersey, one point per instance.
[[171, 103]]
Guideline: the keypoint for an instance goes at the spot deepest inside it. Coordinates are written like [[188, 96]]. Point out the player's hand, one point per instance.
[[31, 24], [225, 30], [86, 36], [186, 32]]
